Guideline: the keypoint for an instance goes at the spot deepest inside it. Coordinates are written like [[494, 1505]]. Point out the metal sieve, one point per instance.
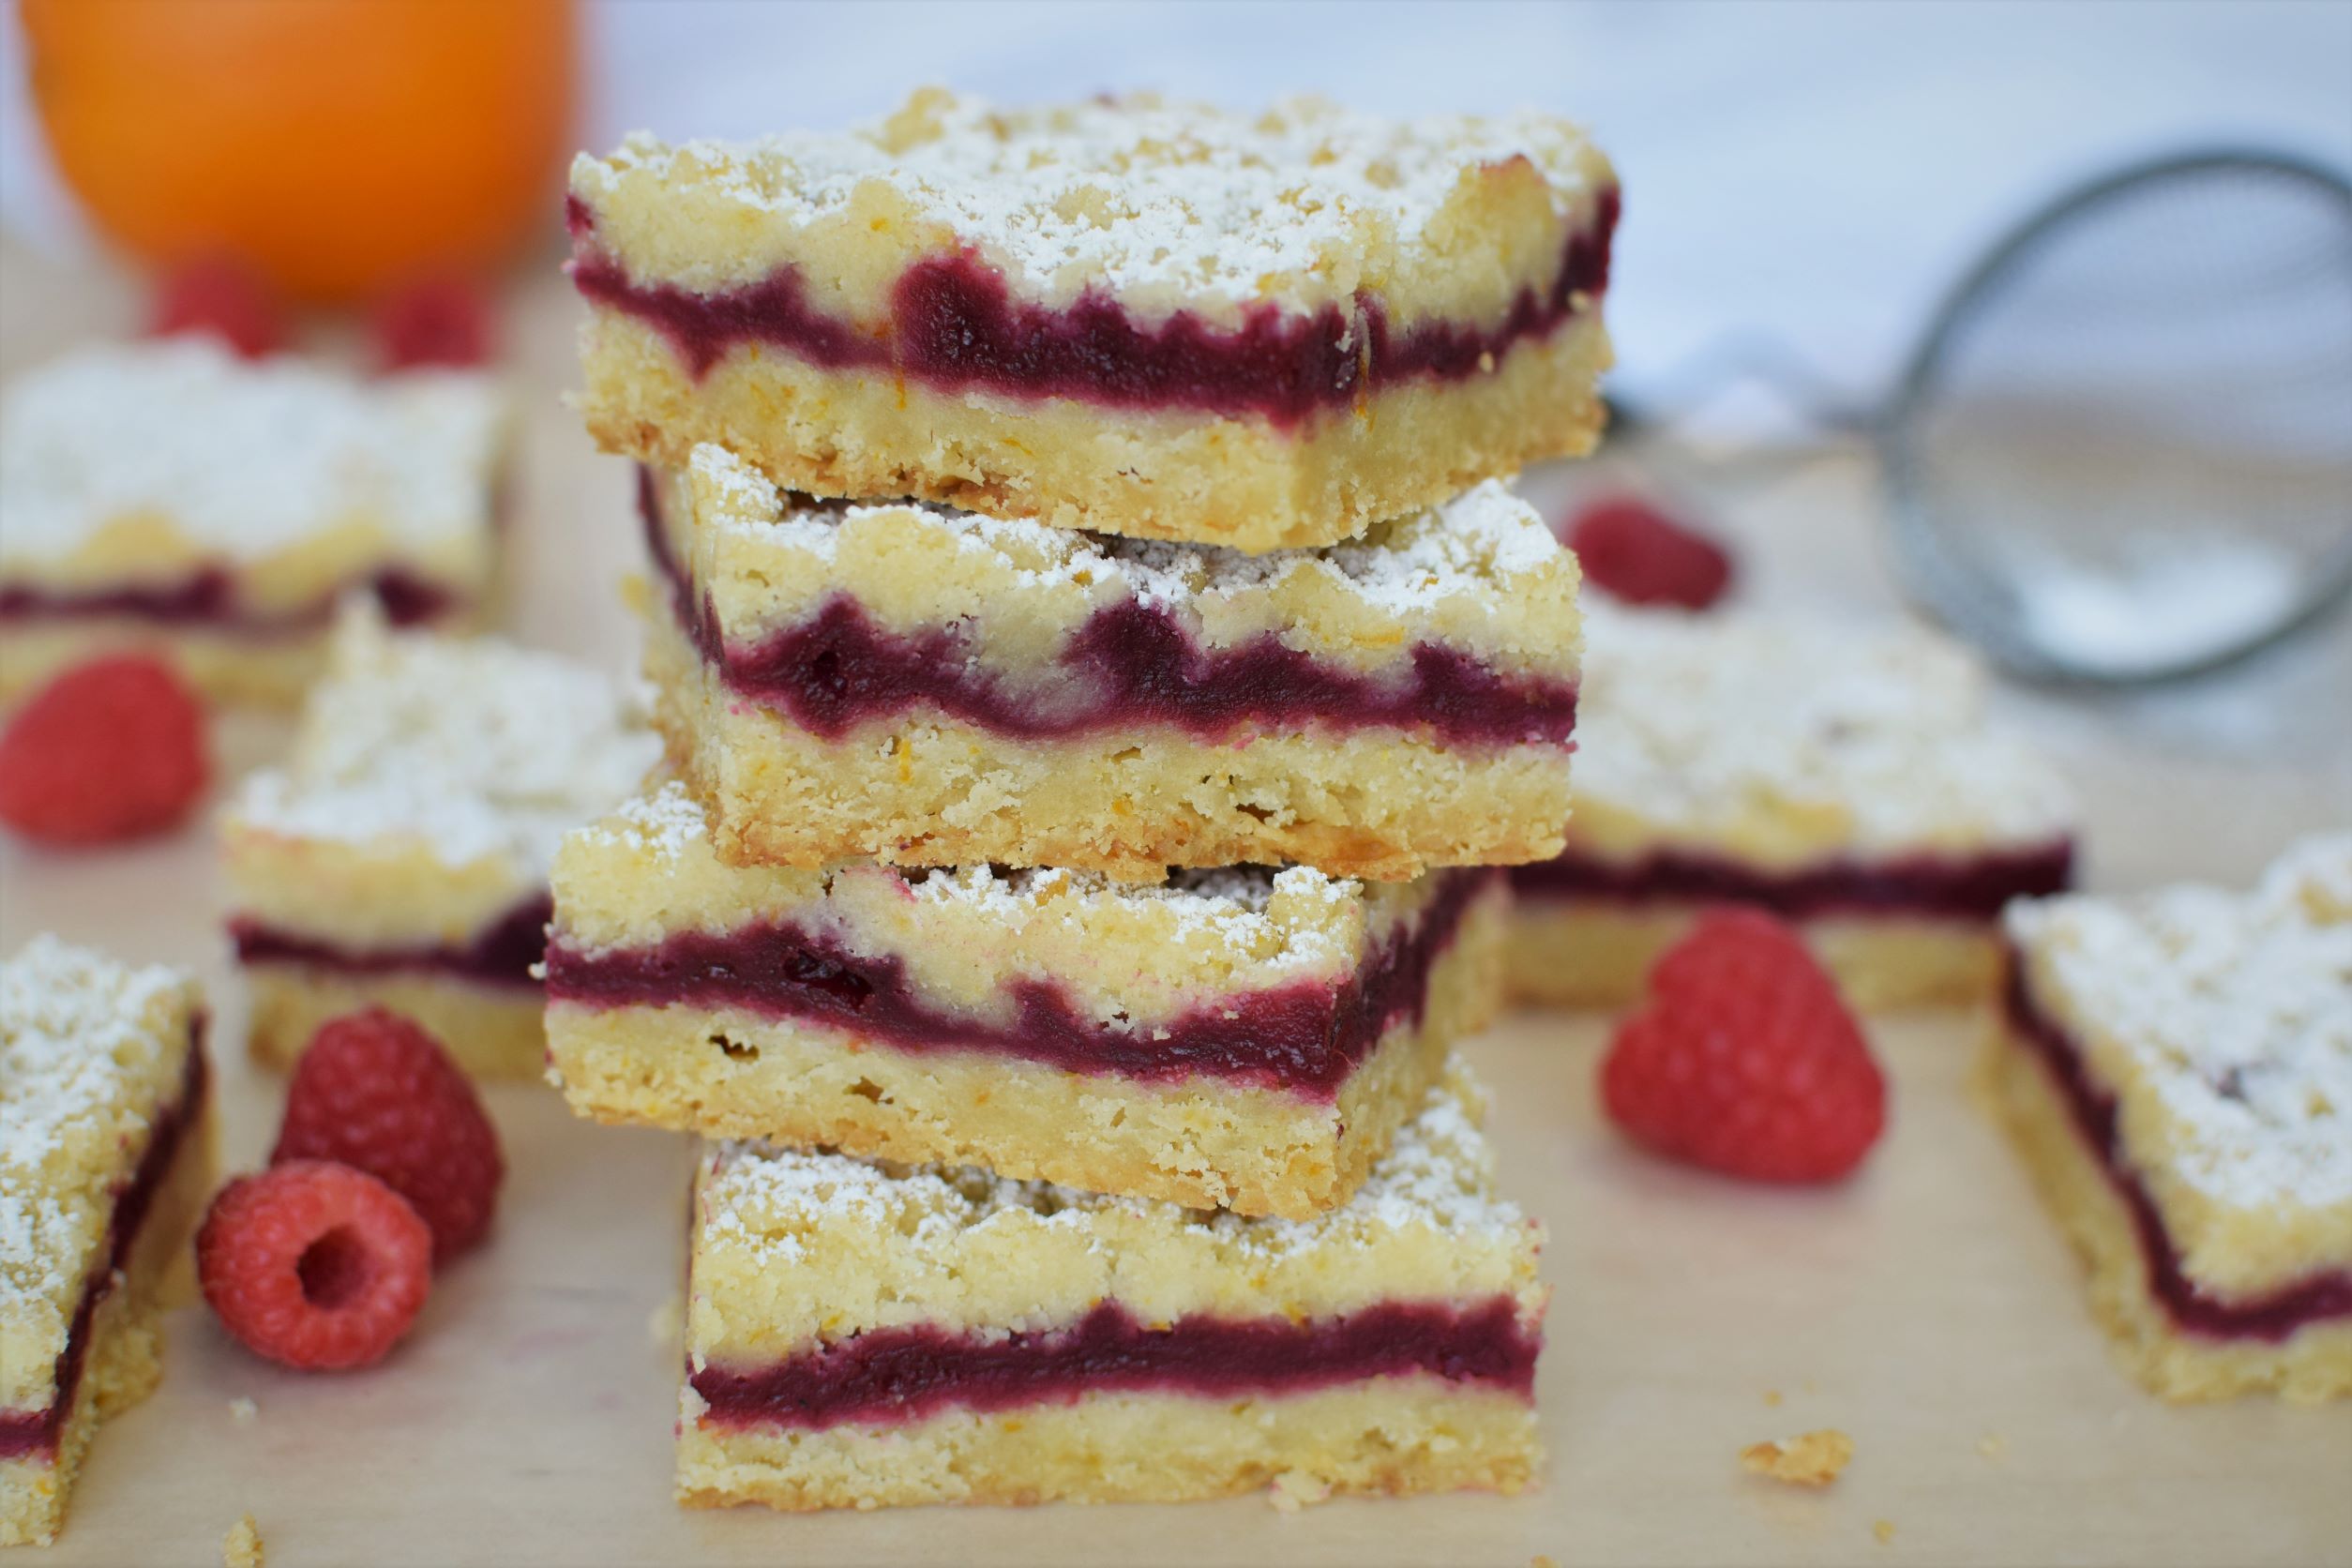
[[2122, 451]]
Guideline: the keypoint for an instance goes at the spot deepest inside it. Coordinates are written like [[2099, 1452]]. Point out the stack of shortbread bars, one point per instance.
[[1101, 665]]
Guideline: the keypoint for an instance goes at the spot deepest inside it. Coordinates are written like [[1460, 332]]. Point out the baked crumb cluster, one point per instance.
[[1808, 1460], [2177, 1070], [1166, 206]]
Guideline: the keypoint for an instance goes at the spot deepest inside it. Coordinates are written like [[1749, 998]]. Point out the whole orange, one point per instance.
[[338, 146]]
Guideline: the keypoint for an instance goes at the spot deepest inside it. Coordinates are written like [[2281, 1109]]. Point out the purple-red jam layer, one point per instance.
[[890, 1377], [26, 1433], [1304, 1038], [500, 954], [209, 598], [2322, 1297], [1129, 665], [1961, 887], [953, 325]]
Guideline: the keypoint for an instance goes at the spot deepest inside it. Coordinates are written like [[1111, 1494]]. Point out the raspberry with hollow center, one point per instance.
[[375, 1091], [315, 1264], [1745, 1058], [1635, 553], [110, 750], [225, 297], [436, 323]]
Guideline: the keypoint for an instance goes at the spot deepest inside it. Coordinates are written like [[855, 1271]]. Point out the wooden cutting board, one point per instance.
[[1929, 1308]]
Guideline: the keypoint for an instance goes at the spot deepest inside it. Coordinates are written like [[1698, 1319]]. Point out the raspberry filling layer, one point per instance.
[[1961, 887], [1129, 665], [888, 1377], [25, 1433], [2316, 1298], [953, 325], [1305, 1039], [500, 954], [209, 598]]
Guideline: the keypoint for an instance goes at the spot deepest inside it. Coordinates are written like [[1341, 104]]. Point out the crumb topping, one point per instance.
[[1437, 1177], [476, 748], [247, 458], [1132, 193], [1701, 722], [83, 1050], [2234, 1009], [1476, 543], [1292, 912]]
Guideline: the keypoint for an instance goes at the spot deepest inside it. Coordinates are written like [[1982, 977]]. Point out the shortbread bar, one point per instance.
[[106, 1161], [170, 497], [1849, 780], [1133, 317], [2177, 1070], [931, 688], [400, 858], [862, 1335], [1249, 1038]]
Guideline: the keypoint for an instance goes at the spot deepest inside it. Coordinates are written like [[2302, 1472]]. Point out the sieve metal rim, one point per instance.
[[1959, 593]]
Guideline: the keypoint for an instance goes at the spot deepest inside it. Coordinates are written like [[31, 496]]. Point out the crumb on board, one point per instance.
[[1295, 1489], [242, 1546], [667, 1322], [1884, 1530], [243, 1411], [1990, 1446], [1539, 1560], [1810, 1459], [1772, 1396]]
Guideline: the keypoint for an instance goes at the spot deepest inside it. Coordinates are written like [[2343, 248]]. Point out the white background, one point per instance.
[[1818, 169]]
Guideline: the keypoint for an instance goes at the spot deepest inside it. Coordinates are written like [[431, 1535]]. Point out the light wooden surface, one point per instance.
[[1928, 1308]]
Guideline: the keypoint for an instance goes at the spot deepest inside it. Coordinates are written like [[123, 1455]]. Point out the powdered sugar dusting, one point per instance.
[[246, 457], [77, 1043], [1697, 723], [1231, 908], [1438, 1176], [2234, 1009], [1133, 193], [1484, 543], [1284, 918], [666, 823], [475, 747]]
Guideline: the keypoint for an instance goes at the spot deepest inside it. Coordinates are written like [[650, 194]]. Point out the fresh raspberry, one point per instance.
[[1634, 552], [1745, 1060], [109, 751], [441, 322], [225, 297], [315, 1264], [377, 1093]]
